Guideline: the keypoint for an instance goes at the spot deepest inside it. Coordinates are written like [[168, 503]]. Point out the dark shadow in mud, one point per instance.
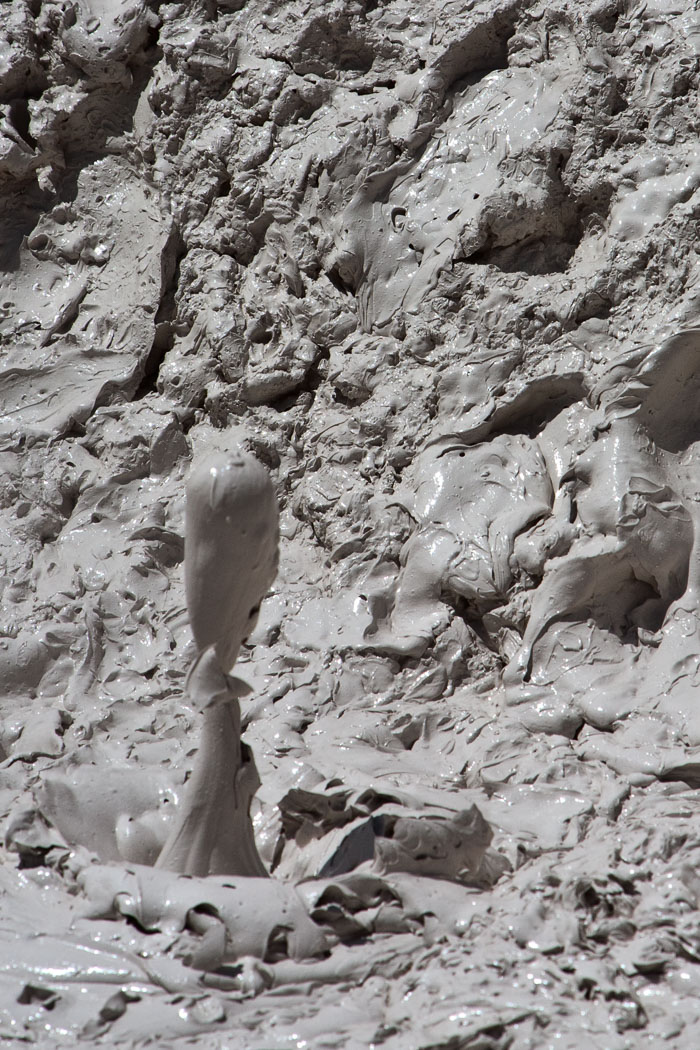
[[19, 213], [106, 112], [541, 255], [541, 401]]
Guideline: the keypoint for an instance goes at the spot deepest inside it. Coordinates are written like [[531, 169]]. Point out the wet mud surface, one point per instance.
[[434, 266]]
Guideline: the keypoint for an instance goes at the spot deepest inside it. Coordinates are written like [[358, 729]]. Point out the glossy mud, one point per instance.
[[433, 268]]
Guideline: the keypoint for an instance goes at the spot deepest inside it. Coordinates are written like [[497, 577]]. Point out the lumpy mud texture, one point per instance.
[[434, 265]]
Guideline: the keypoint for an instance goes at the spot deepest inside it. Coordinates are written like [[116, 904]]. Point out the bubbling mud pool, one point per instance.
[[430, 272]]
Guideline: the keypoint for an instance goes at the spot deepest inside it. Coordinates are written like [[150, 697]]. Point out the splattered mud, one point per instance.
[[435, 266]]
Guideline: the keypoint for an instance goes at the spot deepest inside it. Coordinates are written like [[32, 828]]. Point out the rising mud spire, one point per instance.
[[231, 552]]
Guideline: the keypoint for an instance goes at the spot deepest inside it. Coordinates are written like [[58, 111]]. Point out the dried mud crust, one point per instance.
[[435, 266]]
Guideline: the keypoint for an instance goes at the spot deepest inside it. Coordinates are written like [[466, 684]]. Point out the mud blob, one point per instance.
[[230, 561], [231, 550]]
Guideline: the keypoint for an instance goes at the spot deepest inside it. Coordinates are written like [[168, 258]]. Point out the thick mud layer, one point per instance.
[[434, 266]]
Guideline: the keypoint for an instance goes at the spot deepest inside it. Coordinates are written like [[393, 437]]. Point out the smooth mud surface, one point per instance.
[[434, 265]]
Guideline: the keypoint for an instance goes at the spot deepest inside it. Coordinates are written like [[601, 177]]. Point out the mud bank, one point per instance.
[[434, 268]]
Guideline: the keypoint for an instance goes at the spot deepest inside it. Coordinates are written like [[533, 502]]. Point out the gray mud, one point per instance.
[[435, 266]]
